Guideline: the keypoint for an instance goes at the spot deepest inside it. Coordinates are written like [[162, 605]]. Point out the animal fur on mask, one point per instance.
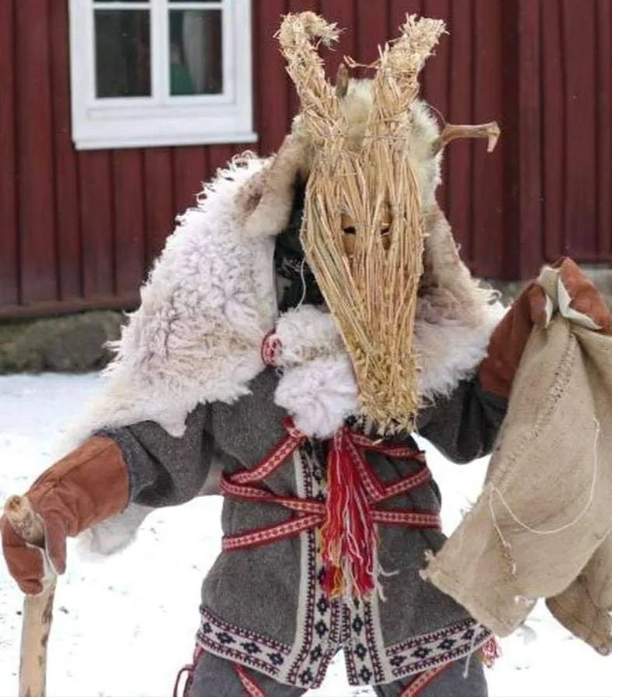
[[363, 230], [371, 292]]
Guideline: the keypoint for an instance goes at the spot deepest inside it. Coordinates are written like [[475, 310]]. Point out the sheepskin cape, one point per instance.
[[541, 527], [212, 297]]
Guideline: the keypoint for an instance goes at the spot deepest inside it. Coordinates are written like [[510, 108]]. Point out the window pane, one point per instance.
[[122, 53], [195, 52]]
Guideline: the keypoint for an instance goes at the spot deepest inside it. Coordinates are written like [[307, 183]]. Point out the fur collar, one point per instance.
[[318, 387]]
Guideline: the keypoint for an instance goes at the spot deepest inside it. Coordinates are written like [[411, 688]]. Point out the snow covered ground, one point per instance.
[[123, 627]]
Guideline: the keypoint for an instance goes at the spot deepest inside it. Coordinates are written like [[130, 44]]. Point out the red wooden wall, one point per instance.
[[79, 229]]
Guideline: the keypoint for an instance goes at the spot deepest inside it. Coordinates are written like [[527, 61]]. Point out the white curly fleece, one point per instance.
[[318, 387], [206, 306]]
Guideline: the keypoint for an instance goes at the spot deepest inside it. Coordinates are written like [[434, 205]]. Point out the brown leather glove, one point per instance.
[[578, 299], [510, 336], [87, 486]]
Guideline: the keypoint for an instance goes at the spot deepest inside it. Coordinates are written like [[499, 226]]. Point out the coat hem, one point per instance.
[[401, 660]]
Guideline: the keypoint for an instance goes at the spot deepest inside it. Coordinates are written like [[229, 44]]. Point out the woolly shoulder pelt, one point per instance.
[[205, 308]]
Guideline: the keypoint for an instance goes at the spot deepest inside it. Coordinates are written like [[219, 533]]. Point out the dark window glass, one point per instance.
[[195, 52], [122, 53]]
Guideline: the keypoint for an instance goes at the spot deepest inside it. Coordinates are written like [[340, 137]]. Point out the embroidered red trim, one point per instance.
[[407, 518], [252, 688], [267, 535], [371, 483], [310, 513], [252, 493], [189, 670], [271, 348], [490, 652], [422, 680], [275, 458], [408, 483]]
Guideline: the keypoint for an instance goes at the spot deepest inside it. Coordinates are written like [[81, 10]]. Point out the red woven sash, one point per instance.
[[349, 517]]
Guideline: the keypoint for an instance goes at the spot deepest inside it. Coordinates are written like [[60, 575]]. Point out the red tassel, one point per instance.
[[348, 536], [490, 652]]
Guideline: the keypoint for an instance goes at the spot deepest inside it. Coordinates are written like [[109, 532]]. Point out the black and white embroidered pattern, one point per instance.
[[362, 656], [417, 654], [321, 626], [241, 645]]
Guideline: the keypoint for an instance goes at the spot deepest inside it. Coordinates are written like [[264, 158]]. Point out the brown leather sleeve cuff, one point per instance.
[[585, 297], [87, 486], [508, 341]]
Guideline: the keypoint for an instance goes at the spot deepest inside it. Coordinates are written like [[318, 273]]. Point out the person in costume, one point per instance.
[[304, 317]]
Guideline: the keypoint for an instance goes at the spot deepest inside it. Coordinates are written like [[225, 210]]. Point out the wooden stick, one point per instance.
[[37, 614]]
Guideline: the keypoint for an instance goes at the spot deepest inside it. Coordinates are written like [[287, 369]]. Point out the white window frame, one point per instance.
[[161, 119]]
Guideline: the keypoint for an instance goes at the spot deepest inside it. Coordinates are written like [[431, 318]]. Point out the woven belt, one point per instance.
[[307, 513]]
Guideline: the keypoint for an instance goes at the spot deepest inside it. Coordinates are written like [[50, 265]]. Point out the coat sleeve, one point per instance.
[[165, 470], [464, 425]]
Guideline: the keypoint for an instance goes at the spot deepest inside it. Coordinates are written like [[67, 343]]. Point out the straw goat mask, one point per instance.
[[362, 229]]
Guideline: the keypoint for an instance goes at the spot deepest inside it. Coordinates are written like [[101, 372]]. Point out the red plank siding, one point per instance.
[[554, 171], [65, 174], [78, 230], [158, 198], [272, 119], [189, 171], [603, 127], [371, 29], [97, 223], [9, 257], [487, 205], [218, 156], [580, 192], [36, 200], [129, 244], [459, 195], [242, 147], [523, 217]]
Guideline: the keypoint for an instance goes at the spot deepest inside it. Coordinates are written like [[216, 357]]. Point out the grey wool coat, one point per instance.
[[263, 606]]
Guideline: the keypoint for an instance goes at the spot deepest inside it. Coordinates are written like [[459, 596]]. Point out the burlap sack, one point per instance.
[[584, 607], [540, 527]]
